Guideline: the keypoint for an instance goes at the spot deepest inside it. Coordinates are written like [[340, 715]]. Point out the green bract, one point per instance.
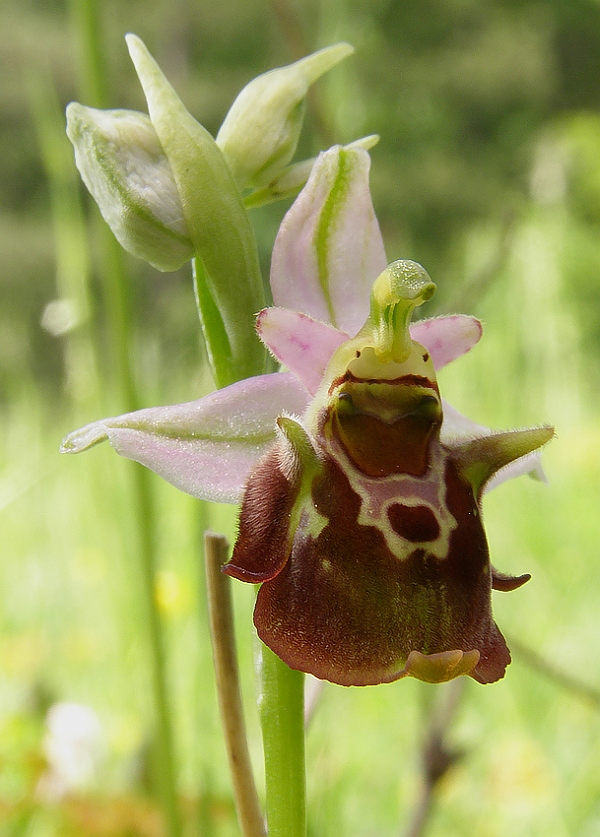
[[124, 166], [219, 226], [261, 130]]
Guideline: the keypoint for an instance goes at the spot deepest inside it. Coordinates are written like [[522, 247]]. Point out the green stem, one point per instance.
[[281, 705], [85, 15], [92, 78]]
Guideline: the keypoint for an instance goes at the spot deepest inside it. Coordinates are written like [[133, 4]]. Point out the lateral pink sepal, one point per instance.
[[207, 447]]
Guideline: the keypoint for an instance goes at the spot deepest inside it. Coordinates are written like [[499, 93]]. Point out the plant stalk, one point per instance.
[[281, 707]]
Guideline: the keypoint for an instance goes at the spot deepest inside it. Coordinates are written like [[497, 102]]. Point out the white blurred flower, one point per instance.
[[74, 747]]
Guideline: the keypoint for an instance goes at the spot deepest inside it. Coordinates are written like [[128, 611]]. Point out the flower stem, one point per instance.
[[228, 687], [281, 705]]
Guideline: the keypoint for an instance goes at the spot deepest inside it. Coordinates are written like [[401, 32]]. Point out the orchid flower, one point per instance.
[[361, 489]]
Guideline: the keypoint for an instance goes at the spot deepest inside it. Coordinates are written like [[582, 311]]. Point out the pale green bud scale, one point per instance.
[[259, 134]]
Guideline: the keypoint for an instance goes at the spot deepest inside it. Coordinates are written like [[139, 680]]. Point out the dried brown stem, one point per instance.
[[228, 686]]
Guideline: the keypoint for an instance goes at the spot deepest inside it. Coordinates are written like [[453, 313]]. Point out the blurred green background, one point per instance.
[[488, 173]]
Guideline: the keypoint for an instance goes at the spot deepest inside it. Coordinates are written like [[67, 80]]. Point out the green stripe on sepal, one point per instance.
[[218, 223]]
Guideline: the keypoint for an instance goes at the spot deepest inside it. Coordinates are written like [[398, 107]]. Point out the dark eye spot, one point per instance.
[[345, 403], [358, 353], [417, 524], [426, 357], [428, 408]]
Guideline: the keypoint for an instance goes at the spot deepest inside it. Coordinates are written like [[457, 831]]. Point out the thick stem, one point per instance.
[[281, 705], [228, 686]]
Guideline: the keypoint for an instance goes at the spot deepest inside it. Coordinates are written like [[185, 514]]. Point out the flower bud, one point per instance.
[[123, 165], [259, 135]]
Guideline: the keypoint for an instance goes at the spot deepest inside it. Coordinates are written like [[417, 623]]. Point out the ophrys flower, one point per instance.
[[361, 489]]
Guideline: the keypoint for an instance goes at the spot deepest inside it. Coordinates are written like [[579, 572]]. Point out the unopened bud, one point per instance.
[[259, 135], [123, 165]]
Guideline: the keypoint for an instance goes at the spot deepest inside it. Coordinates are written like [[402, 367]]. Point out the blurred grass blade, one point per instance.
[[70, 314]]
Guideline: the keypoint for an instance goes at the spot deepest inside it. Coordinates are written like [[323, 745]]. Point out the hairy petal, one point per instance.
[[206, 447], [447, 338], [304, 345], [329, 248]]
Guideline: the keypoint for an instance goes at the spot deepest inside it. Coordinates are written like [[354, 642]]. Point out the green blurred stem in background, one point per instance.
[[93, 90]]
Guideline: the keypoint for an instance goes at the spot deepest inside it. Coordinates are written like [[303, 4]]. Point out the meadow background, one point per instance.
[[487, 173]]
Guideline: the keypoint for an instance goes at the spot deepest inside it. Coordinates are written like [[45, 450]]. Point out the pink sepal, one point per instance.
[[206, 447], [329, 249]]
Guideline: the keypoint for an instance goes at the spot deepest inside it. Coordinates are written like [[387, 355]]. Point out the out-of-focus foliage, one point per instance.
[[461, 91], [488, 173]]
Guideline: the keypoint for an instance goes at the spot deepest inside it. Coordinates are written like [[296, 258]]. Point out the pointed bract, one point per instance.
[[218, 223]]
